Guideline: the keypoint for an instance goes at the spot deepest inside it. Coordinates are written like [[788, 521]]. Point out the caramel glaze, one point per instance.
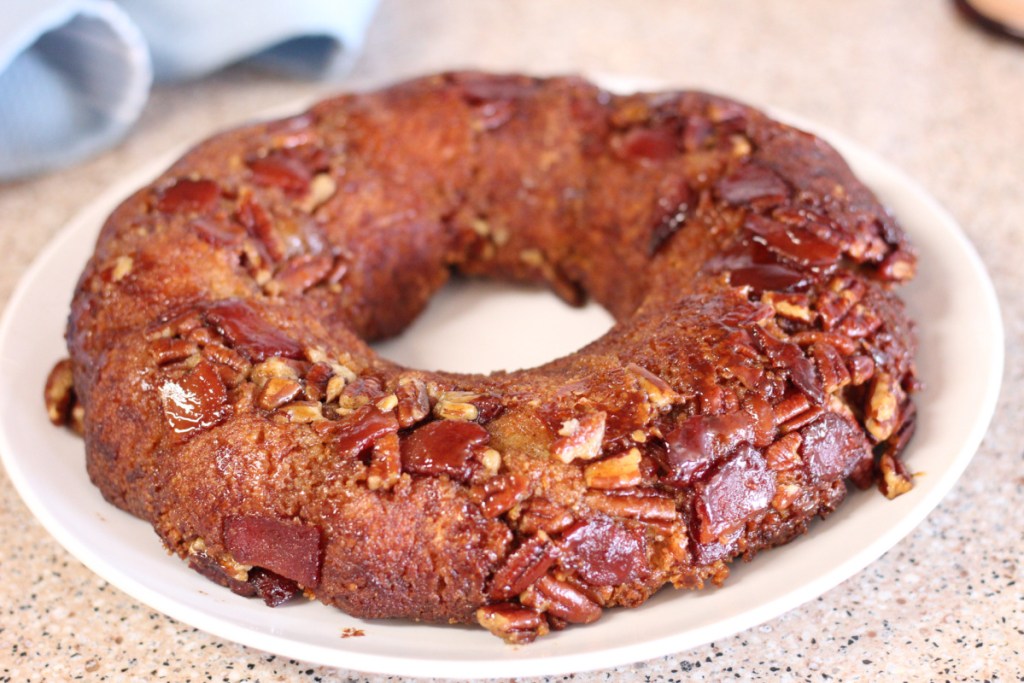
[[759, 361]]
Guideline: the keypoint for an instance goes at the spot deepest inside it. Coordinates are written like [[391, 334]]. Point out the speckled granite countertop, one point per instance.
[[908, 80]]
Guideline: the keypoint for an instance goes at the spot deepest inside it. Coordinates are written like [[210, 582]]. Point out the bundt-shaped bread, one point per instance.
[[759, 360]]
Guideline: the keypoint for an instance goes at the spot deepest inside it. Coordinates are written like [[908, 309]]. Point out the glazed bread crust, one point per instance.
[[760, 358]]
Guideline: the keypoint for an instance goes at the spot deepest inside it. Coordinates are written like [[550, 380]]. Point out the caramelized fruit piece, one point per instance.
[[443, 447], [196, 402], [291, 549], [250, 333]]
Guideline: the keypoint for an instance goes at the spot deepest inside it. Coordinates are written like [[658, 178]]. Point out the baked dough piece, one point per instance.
[[759, 360]]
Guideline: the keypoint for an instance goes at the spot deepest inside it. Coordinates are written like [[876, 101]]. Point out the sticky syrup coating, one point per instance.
[[760, 359]]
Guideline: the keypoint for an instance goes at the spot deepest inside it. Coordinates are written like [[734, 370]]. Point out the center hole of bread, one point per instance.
[[478, 326]]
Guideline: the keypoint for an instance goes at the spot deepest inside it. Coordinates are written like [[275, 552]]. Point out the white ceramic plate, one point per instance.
[[961, 362]]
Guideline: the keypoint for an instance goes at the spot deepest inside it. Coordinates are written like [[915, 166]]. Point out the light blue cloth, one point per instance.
[[75, 74]]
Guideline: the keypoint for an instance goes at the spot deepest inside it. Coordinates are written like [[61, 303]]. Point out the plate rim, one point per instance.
[[856, 155]]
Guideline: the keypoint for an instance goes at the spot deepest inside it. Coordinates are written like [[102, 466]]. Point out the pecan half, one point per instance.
[[646, 505], [457, 405], [528, 563], [561, 599], [512, 623], [60, 393], [169, 350], [883, 406]]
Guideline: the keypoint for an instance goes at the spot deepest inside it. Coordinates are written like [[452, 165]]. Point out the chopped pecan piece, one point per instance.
[[299, 273], [60, 392], [785, 494], [500, 494], [580, 438], [617, 472], [750, 182], [659, 393], [317, 377], [837, 299], [883, 406], [303, 412], [218, 353], [899, 266], [413, 401], [385, 463], [788, 356], [457, 405], [276, 392], [794, 306], [272, 368], [277, 169], [321, 188], [895, 480], [831, 367], [784, 454]]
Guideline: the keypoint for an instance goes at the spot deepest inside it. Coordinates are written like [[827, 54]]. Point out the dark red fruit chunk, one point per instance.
[[741, 488], [796, 244], [701, 440], [291, 549], [750, 182], [250, 333], [605, 553], [444, 447], [274, 589], [673, 211], [196, 402], [647, 143], [830, 448], [360, 431], [281, 171], [767, 277], [188, 195]]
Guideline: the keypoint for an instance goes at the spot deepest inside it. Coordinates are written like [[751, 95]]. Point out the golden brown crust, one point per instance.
[[759, 360]]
